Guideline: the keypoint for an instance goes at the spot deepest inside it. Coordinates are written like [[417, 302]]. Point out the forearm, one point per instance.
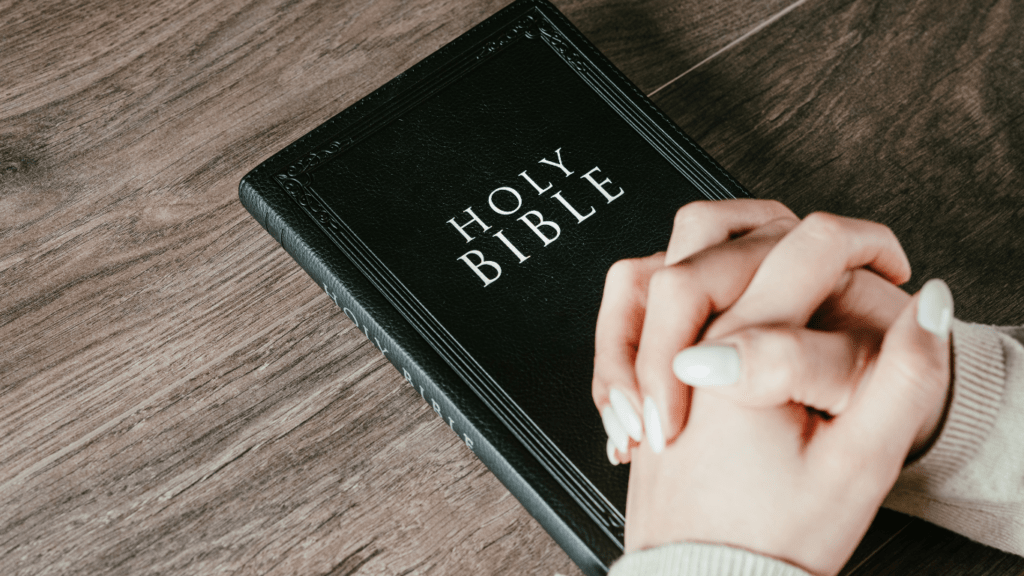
[[971, 481]]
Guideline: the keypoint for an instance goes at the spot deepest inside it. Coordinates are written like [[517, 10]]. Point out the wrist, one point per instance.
[[933, 425], [975, 396]]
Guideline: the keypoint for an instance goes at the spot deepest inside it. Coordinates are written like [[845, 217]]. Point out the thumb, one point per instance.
[[772, 365], [901, 405]]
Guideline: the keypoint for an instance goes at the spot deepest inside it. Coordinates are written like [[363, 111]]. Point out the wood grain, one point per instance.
[[176, 396], [908, 114], [653, 41]]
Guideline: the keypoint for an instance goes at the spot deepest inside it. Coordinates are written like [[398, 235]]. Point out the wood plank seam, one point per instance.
[[748, 34]]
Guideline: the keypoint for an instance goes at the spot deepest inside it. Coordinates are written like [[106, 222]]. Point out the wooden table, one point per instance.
[[177, 396]]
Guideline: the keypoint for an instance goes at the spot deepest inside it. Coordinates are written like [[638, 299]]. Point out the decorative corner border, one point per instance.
[[525, 28]]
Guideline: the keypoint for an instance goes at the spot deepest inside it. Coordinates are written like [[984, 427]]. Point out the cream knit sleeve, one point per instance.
[[692, 559], [971, 481]]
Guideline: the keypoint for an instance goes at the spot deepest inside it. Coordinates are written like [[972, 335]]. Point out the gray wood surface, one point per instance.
[[908, 114], [177, 396]]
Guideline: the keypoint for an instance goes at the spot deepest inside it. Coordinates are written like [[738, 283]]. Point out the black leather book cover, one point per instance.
[[479, 198]]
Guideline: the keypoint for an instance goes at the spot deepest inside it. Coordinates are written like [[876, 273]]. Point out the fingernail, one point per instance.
[[710, 365], [610, 449], [652, 423], [627, 415], [612, 427], [935, 308]]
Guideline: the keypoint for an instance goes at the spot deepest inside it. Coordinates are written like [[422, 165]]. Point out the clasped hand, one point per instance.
[[782, 376]]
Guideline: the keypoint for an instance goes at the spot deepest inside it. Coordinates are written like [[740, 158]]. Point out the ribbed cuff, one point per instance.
[[978, 380], [692, 559]]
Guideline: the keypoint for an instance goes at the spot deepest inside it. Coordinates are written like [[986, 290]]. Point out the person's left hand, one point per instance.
[[788, 482]]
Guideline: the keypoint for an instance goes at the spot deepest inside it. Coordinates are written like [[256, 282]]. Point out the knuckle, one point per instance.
[[612, 365], [647, 373], [693, 213], [781, 226], [823, 226], [885, 234], [672, 280], [786, 350], [891, 236], [652, 373], [624, 273], [675, 291], [779, 351], [662, 279], [780, 209], [603, 368]]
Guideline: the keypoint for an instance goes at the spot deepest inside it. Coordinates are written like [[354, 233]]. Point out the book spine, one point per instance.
[[461, 411]]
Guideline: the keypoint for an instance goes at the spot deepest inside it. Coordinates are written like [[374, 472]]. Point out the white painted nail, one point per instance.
[[710, 365], [652, 423], [612, 427], [935, 308], [610, 449], [627, 415]]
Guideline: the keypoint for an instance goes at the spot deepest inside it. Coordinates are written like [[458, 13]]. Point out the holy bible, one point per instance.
[[464, 216]]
